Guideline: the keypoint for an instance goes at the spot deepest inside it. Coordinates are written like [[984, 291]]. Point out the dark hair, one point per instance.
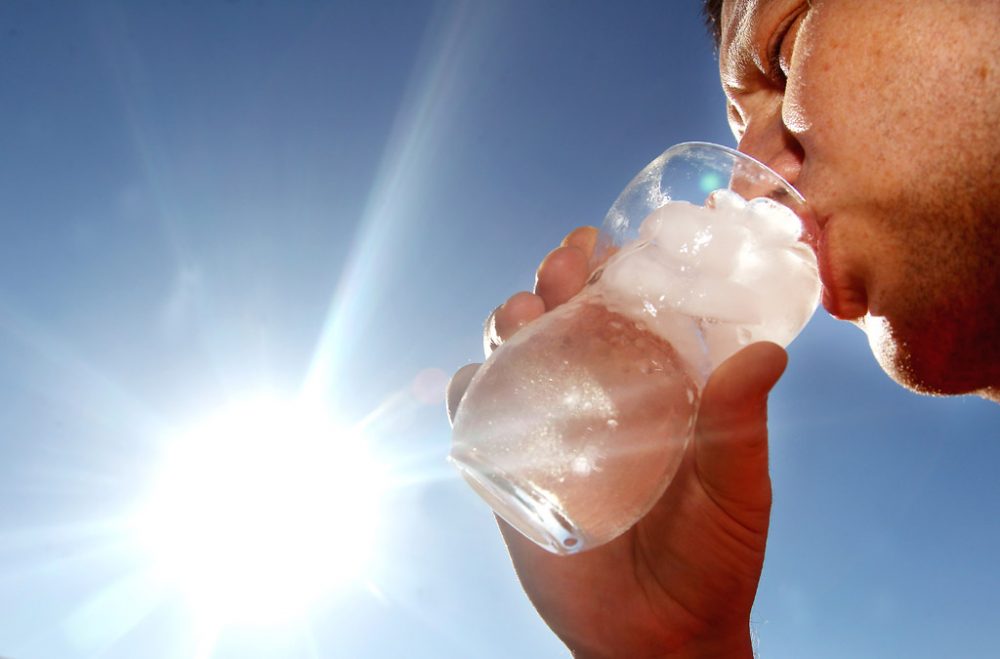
[[712, 12]]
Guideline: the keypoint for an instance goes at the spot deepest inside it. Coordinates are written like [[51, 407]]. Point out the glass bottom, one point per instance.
[[531, 511]]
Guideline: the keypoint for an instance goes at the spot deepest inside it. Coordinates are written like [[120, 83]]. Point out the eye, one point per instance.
[[779, 50]]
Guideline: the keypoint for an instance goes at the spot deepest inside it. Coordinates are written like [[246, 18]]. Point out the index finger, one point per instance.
[[583, 238]]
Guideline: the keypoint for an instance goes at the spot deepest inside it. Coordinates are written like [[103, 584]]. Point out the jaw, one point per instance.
[[932, 360]]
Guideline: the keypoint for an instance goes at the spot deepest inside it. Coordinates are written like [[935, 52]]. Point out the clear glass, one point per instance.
[[574, 427]]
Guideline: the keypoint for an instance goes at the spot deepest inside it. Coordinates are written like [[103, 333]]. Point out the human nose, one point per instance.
[[767, 139]]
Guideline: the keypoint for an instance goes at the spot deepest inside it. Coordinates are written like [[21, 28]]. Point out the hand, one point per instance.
[[681, 582]]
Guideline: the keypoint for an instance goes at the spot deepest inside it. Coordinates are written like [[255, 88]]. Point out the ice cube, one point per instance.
[[738, 267], [722, 340], [774, 223], [790, 292], [721, 253], [726, 201], [722, 300], [679, 227]]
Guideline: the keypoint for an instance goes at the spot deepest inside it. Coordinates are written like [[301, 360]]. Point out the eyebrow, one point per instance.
[[711, 11]]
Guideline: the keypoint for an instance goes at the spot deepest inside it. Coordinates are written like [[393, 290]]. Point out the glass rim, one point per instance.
[[645, 192], [738, 155]]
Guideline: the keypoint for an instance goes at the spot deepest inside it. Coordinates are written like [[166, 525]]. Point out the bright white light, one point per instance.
[[260, 511]]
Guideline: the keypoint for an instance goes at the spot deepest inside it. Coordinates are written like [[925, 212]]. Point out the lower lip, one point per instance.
[[822, 249], [849, 300]]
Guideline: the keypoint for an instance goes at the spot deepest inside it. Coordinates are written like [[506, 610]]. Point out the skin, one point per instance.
[[885, 115]]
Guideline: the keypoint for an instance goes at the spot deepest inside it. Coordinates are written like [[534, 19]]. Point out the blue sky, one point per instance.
[[202, 200]]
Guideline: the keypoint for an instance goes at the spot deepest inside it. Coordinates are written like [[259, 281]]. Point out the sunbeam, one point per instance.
[[111, 613], [79, 384], [402, 173]]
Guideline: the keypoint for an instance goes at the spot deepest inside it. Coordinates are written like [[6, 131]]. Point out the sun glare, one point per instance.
[[260, 511]]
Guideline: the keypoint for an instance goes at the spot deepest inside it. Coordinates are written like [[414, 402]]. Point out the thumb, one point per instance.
[[457, 386], [731, 444]]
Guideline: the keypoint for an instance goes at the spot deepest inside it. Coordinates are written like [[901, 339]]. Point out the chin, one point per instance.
[[917, 363]]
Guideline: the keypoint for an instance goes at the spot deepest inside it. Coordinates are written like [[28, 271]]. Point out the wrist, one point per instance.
[[737, 645]]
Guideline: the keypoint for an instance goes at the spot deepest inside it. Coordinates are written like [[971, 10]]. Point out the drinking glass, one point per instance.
[[575, 426]]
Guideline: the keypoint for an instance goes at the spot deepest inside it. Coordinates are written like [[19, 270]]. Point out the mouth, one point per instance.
[[844, 296]]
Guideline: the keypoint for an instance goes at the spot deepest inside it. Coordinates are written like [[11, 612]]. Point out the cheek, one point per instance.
[[824, 98], [872, 95], [838, 101]]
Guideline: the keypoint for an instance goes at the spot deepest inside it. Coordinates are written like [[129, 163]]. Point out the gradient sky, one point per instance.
[[201, 200]]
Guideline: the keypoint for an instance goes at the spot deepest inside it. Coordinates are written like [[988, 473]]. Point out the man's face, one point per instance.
[[886, 115]]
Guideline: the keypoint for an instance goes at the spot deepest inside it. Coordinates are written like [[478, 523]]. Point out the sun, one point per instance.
[[260, 511]]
